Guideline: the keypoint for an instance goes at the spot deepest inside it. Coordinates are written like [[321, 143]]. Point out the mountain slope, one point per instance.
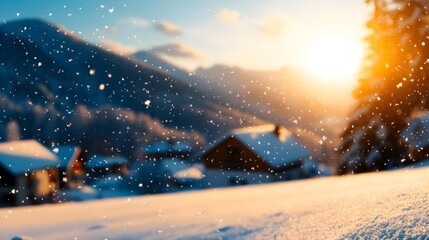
[[286, 96], [63, 89], [151, 59]]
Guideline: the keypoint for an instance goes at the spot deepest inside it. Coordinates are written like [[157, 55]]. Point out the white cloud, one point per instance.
[[177, 50], [116, 47], [228, 16], [168, 28], [112, 30], [139, 22], [272, 26]]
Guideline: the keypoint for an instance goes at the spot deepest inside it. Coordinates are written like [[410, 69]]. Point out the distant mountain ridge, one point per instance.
[[58, 88], [152, 60], [283, 96]]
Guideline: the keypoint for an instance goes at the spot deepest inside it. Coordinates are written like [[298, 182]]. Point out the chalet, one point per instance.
[[253, 155], [70, 166], [28, 173], [153, 169], [166, 175]]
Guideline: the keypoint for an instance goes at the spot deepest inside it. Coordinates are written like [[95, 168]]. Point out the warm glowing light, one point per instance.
[[334, 58]]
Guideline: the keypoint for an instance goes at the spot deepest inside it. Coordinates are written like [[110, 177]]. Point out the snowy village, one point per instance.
[[214, 120]]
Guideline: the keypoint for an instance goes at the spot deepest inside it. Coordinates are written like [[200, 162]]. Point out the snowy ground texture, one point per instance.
[[371, 206]]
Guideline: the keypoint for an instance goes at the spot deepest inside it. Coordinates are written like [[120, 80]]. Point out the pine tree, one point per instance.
[[393, 85]]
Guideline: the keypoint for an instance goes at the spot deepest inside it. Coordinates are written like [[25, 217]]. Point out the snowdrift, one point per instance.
[[376, 205]]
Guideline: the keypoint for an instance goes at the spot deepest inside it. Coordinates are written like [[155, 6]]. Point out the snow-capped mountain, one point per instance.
[[58, 88], [286, 96]]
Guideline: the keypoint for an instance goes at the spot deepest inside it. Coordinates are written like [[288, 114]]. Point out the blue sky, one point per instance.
[[251, 34]]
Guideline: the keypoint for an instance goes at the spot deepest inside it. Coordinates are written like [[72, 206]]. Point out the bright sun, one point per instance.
[[333, 58]]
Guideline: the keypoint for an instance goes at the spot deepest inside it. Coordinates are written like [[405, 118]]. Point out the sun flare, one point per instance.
[[333, 58]]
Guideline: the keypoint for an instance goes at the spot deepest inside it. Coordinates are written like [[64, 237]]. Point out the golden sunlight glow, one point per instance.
[[334, 58]]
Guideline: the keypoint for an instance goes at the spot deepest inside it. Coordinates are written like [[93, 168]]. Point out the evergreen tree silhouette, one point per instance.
[[393, 85]]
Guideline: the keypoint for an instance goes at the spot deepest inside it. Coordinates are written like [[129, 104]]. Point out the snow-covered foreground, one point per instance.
[[378, 205]]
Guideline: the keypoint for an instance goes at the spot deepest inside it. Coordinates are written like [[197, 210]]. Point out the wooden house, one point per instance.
[[70, 166], [253, 155], [28, 173]]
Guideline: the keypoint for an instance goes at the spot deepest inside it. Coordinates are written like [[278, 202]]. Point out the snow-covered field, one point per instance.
[[377, 205]]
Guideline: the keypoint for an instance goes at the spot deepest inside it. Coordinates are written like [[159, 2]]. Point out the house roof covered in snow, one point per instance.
[[181, 146], [106, 161], [165, 147], [274, 144], [25, 156], [65, 155], [156, 148], [181, 170]]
